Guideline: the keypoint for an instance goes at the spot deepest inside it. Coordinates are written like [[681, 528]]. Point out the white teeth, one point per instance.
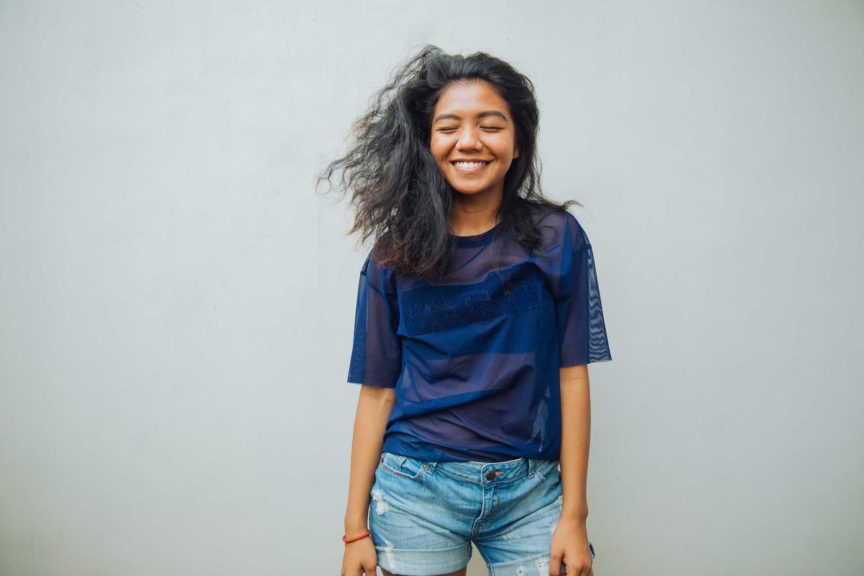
[[469, 165]]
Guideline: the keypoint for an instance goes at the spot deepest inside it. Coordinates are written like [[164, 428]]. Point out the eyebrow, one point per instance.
[[480, 115]]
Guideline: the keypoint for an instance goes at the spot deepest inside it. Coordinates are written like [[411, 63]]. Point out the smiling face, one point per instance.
[[473, 138]]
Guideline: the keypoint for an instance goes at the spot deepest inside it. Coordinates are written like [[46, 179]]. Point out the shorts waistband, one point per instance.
[[486, 472]]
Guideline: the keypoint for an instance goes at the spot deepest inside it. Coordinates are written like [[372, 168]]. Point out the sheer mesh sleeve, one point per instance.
[[581, 326], [376, 357]]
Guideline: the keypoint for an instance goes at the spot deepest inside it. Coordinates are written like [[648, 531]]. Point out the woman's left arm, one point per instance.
[[570, 539]]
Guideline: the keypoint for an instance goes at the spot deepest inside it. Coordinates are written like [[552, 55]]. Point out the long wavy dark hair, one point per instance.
[[399, 194]]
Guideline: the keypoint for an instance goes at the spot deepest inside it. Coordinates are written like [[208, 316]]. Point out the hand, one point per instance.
[[359, 558], [570, 545]]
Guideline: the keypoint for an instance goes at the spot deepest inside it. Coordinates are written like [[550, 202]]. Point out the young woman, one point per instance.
[[478, 311]]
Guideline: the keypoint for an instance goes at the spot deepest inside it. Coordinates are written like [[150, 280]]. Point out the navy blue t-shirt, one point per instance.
[[474, 355]]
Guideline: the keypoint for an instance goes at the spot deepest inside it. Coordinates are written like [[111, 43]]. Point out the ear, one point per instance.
[[516, 152]]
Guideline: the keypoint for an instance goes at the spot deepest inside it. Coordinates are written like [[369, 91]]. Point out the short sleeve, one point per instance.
[[581, 326], [376, 356]]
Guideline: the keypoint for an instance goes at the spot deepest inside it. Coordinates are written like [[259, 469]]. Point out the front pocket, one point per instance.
[[545, 469], [402, 465]]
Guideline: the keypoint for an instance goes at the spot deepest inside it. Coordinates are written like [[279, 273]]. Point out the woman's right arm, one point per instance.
[[373, 408]]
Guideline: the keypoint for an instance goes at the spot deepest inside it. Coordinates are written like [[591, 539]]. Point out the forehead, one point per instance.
[[469, 97]]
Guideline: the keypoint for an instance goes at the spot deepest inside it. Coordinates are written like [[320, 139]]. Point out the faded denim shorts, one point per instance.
[[424, 515]]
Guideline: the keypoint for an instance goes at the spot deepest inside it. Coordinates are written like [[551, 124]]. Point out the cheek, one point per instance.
[[505, 146], [436, 148]]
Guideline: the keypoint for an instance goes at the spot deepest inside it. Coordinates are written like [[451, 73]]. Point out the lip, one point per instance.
[[473, 170]]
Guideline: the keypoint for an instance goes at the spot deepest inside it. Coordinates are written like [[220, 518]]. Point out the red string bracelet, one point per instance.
[[364, 535]]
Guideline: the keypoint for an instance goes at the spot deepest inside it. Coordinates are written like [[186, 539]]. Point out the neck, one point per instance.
[[472, 215]]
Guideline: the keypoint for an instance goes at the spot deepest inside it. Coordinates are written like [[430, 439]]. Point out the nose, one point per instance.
[[468, 140]]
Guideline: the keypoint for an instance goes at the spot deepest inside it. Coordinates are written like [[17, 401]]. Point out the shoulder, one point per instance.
[[559, 227], [380, 250], [376, 269]]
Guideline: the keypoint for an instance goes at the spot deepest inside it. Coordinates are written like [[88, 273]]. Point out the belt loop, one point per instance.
[[430, 467], [531, 465]]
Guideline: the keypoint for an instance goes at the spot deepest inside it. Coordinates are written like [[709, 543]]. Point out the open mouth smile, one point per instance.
[[472, 166]]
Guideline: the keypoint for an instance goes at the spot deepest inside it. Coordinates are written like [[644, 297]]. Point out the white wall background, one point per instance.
[[176, 302]]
